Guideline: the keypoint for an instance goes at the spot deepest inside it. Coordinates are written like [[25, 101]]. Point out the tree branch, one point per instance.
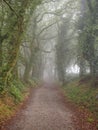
[[46, 28], [10, 7]]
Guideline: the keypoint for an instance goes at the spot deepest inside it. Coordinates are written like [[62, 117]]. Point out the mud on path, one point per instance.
[[45, 110]]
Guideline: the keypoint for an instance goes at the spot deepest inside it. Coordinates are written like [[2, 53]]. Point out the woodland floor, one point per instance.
[[46, 109]]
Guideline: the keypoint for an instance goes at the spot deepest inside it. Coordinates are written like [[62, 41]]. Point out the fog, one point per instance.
[[56, 44], [48, 44], [54, 14]]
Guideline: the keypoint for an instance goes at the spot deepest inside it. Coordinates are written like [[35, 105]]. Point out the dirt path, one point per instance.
[[45, 111]]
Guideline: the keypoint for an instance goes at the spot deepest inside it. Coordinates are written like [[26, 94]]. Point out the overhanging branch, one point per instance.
[[10, 7]]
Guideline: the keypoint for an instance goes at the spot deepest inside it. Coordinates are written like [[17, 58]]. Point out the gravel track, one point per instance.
[[45, 110]]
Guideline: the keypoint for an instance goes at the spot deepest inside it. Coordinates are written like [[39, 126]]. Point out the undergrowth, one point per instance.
[[34, 82], [84, 95], [11, 97], [16, 90], [6, 110]]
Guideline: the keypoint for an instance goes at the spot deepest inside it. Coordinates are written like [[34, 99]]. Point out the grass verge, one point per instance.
[[84, 96]]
